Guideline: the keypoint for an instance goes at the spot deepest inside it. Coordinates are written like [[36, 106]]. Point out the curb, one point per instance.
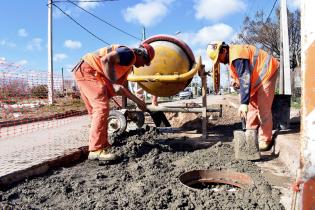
[[69, 157], [23, 121]]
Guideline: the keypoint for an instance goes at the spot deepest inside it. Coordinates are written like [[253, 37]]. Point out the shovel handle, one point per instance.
[[243, 123]]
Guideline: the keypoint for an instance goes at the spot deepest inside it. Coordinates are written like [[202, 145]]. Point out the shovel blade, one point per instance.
[[246, 145], [159, 119]]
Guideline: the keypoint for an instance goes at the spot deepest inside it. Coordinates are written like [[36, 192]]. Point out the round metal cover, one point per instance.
[[228, 177]]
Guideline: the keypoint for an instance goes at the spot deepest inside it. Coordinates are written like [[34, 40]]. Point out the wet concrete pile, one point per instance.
[[146, 177]]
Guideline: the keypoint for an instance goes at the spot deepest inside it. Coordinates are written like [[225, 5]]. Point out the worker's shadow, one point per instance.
[[275, 150], [271, 154], [268, 156], [223, 133], [185, 144]]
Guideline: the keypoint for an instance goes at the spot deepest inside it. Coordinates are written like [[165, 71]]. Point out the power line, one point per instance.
[[61, 1], [106, 22], [86, 1], [80, 25], [273, 6]]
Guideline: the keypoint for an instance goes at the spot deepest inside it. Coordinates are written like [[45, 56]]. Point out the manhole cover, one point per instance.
[[225, 180]]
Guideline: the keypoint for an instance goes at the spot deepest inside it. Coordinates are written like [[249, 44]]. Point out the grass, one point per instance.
[[61, 106], [296, 104]]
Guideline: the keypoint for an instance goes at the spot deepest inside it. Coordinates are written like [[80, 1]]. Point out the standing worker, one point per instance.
[[154, 100], [100, 76], [255, 72], [139, 92]]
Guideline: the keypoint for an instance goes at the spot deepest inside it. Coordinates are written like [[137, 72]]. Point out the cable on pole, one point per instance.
[[273, 6], [80, 24], [86, 0], [106, 22]]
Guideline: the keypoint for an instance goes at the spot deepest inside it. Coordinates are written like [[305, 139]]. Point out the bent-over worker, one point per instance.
[[101, 75], [255, 72]]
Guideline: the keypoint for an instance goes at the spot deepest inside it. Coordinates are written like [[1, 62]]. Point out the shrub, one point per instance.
[[12, 90], [40, 91]]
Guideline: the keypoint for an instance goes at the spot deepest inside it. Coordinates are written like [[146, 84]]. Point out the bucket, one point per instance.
[[281, 111]]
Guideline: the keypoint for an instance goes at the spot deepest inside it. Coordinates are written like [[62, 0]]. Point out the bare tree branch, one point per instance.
[[265, 34]]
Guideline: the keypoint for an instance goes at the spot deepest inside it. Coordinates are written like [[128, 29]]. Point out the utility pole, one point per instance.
[[50, 54], [62, 82], [285, 75], [143, 33], [228, 79], [307, 162], [143, 37]]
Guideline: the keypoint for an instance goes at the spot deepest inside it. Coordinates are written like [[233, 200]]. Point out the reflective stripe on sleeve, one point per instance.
[[262, 73], [254, 59]]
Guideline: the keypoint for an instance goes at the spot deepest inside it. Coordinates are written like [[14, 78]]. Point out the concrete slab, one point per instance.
[[277, 174], [287, 146]]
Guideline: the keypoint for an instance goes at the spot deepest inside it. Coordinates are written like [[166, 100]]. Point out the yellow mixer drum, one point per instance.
[[172, 57]]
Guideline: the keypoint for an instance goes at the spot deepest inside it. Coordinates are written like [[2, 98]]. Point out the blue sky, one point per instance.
[[23, 34]]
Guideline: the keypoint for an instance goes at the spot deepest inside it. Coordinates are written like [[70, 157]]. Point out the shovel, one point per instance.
[[159, 119], [246, 143]]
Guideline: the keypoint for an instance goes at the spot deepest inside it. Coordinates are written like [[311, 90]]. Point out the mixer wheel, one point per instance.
[[117, 122]]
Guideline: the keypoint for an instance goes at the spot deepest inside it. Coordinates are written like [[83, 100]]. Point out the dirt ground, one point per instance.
[[146, 176]]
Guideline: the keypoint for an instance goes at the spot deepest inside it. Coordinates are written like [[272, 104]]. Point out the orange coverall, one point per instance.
[[96, 91], [256, 73], [96, 99]]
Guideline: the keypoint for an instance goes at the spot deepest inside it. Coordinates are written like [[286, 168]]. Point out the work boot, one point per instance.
[[265, 146], [102, 154]]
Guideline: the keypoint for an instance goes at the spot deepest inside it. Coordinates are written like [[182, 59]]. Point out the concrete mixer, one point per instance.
[[171, 70]]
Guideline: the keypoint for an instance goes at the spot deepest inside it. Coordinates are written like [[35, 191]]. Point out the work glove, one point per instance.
[[235, 84], [118, 88], [242, 110]]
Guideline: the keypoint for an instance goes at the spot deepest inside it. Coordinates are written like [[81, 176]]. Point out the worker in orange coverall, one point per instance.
[[154, 100], [140, 94], [101, 75], [255, 72]]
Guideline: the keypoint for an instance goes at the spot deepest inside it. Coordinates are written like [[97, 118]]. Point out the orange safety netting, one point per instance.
[[24, 103]]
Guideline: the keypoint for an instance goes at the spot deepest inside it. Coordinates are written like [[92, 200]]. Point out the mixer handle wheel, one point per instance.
[[117, 122]]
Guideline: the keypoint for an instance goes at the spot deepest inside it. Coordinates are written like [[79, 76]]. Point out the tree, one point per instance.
[[294, 24], [266, 34]]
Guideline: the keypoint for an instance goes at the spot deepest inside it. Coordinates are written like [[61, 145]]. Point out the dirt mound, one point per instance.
[[184, 120], [146, 177]]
